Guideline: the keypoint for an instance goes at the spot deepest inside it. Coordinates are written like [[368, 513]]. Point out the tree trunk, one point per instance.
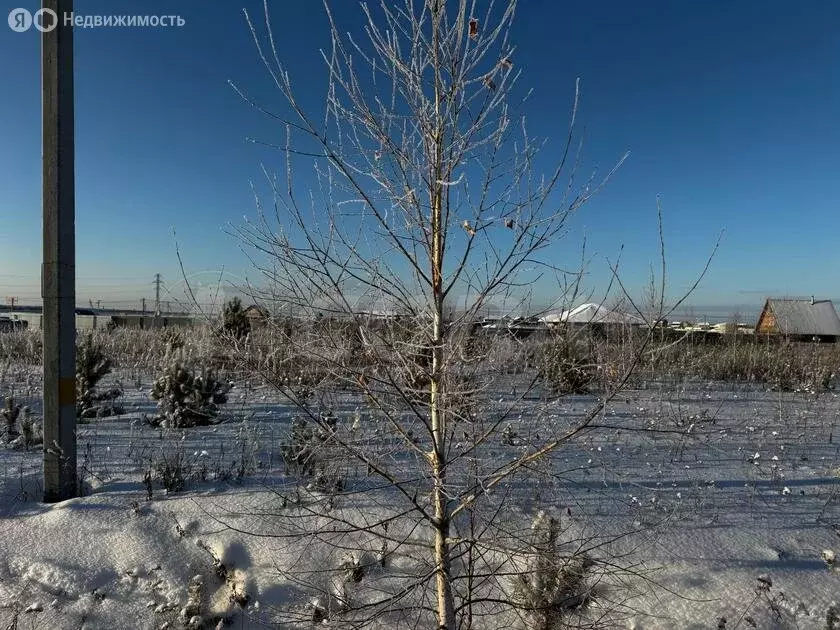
[[443, 573], [443, 568]]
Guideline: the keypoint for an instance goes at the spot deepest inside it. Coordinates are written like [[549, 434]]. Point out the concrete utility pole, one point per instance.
[[143, 306], [58, 284]]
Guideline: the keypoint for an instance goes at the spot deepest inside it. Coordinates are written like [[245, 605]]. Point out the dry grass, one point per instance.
[[126, 347], [781, 364]]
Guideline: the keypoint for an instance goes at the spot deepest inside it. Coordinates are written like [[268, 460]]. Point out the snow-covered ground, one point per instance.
[[712, 486]]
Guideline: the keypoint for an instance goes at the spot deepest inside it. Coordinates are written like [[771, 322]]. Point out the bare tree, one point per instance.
[[426, 209]]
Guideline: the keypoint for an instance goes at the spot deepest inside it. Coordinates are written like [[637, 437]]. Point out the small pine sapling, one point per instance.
[[187, 397], [235, 321], [554, 585], [91, 367], [31, 432], [300, 449], [10, 413], [352, 568], [832, 617], [191, 612]]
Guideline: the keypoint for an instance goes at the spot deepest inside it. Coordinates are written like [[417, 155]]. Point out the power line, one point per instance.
[[36, 277]]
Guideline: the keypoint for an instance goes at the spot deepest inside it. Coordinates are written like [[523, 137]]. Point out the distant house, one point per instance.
[[256, 315], [591, 314], [799, 319]]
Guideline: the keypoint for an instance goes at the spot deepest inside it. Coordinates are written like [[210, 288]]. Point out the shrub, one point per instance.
[[31, 432], [234, 320], [10, 414], [91, 367], [832, 617], [187, 396], [173, 466], [172, 339], [298, 449], [305, 454], [352, 568], [564, 367], [173, 470], [191, 612], [554, 585]]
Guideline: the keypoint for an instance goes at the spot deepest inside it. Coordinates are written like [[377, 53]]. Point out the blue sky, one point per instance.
[[729, 111]]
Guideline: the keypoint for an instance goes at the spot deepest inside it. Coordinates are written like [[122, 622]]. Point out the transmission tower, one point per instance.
[[157, 295]]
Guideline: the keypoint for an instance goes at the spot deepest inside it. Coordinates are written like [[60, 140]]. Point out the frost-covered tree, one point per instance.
[[427, 208]]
